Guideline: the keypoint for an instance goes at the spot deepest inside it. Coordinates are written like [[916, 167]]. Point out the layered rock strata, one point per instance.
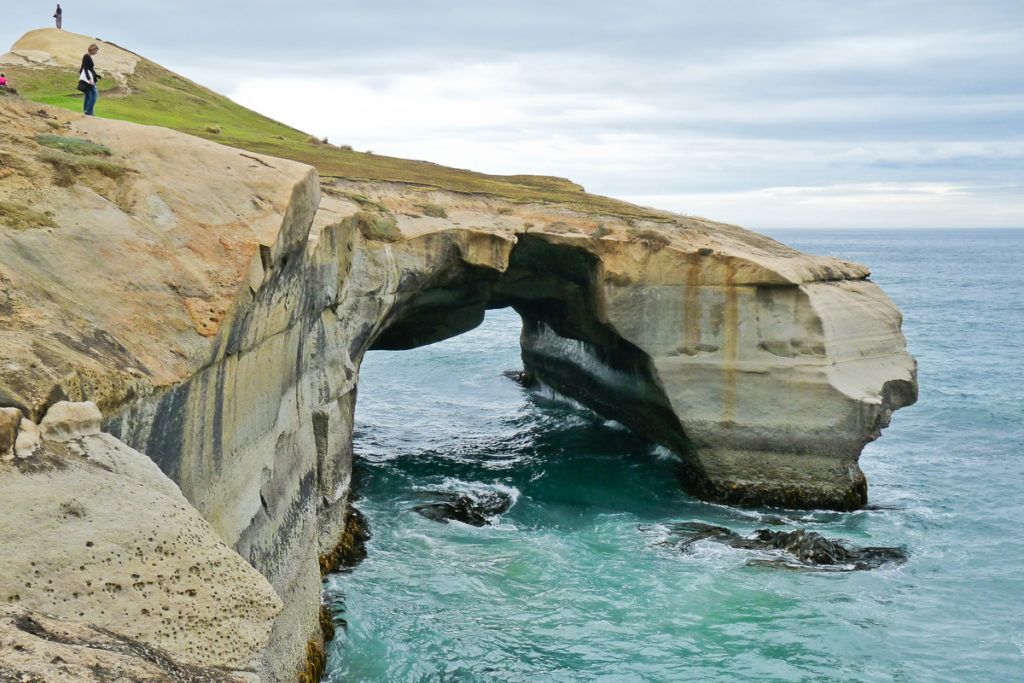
[[216, 304]]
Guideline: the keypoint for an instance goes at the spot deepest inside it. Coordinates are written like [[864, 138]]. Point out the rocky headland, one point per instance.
[[182, 324]]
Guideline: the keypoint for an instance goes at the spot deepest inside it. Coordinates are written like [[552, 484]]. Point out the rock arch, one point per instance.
[[768, 389]]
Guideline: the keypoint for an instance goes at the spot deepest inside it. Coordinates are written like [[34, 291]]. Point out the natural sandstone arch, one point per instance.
[[766, 375], [704, 365]]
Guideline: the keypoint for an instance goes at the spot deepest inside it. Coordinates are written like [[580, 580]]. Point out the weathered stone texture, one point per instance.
[[94, 531], [66, 420], [10, 418], [37, 647]]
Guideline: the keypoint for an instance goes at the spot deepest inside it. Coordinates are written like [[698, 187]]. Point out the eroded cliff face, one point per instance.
[[216, 305], [167, 284]]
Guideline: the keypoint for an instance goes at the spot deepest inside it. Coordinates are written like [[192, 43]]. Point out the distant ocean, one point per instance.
[[574, 581]]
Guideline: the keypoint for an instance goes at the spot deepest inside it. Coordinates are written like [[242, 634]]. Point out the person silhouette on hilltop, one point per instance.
[[58, 14]]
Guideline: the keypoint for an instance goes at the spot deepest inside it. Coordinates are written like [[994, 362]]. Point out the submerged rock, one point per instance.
[[685, 534], [475, 509], [810, 549], [807, 546]]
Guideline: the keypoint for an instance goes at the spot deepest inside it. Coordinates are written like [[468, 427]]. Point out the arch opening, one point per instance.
[[566, 343]]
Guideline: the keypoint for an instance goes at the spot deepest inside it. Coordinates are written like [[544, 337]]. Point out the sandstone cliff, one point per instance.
[[215, 305]]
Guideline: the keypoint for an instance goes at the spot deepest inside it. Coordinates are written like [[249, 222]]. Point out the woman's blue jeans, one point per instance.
[[91, 96]]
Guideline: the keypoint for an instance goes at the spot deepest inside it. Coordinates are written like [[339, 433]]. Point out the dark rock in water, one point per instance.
[[807, 546], [475, 509], [687, 533], [774, 521], [811, 550], [351, 547], [524, 378], [459, 510], [875, 556]]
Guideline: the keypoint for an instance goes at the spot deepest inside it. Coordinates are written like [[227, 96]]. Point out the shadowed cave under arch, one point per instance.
[[564, 342]]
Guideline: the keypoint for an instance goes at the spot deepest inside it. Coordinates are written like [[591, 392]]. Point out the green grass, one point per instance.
[[73, 145], [69, 167], [433, 210], [157, 97], [361, 200], [374, 227]]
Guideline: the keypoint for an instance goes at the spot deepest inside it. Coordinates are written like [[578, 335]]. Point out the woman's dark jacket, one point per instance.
[[88, 68]]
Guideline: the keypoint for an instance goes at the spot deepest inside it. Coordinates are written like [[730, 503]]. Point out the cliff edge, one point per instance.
[[215, 304]]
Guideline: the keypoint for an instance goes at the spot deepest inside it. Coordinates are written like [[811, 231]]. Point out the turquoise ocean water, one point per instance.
[[572, 583]]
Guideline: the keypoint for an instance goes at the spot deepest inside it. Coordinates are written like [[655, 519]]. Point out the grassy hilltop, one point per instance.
[[152, 95]]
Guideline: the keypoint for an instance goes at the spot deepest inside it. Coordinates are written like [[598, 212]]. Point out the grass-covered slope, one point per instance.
[[152, 95]]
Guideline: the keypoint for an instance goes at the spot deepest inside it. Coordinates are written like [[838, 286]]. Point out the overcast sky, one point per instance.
[[794, 113]]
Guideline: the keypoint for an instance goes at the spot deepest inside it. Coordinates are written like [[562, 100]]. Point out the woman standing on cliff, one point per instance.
[[88, 74]]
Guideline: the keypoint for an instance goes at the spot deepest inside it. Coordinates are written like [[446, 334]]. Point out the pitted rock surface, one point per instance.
[[37, 647], [94, 531]]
